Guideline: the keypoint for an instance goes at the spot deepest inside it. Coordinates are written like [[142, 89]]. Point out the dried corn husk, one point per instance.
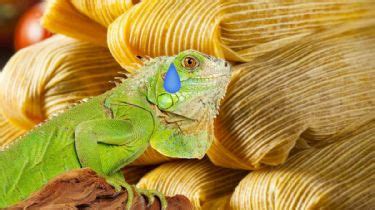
[[236, 30], [61, 17], [50, 76], [338, 176], [8, 132], [151, 157], [251, 28], [309, 90], [200, 181], [85, 20], [147, 30], [103, 11]]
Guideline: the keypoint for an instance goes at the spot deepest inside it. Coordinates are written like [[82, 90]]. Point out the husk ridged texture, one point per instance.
[[307, 92], [338, 176], [8, 132], [84, 19], [200, 181], [235, 30], [193, 25], [103, 11], [251, 28], [61, 17]]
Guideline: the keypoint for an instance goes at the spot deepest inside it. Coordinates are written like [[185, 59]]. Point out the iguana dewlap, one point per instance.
[[169, 105]]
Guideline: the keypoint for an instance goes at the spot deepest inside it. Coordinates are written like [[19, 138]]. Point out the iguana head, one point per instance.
[[187, 89]]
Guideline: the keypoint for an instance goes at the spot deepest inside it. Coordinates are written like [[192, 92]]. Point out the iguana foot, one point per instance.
[[151, 194], [118, 182]]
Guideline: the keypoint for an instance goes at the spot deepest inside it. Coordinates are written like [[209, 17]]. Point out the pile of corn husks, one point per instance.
[[297, 127]]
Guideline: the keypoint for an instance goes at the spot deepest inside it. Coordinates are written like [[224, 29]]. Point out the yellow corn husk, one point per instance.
[[309, 90], [200, 181], [251, 28], [85, 20], [49, 76], [151, 157], [62, 17], [165, 27], [8, 132], [103, 11], [338, 176], [236, 30]]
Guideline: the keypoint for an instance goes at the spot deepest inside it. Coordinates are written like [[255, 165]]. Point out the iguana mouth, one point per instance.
[[213, 76]]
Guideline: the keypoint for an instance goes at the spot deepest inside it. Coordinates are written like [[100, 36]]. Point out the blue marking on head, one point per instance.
[[172, 82]]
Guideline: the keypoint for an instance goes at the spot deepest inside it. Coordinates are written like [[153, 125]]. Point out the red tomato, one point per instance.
[[10, 11], [29, 30]]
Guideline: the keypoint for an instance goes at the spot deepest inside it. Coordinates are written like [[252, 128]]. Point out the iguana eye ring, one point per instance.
[[190, 62]]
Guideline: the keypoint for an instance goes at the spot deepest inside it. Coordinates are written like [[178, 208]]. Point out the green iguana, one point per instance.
[[107, 132]]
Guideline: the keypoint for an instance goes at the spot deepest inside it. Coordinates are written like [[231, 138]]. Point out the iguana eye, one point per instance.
[[190, 62]]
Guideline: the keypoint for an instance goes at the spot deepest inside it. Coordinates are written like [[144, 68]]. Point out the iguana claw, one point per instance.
[[151, 194]]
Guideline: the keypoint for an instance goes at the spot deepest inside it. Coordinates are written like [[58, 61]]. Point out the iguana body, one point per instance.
[[111, 130]]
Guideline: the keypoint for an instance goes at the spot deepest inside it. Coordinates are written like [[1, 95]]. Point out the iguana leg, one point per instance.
[[106, 146], [151, 194]]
